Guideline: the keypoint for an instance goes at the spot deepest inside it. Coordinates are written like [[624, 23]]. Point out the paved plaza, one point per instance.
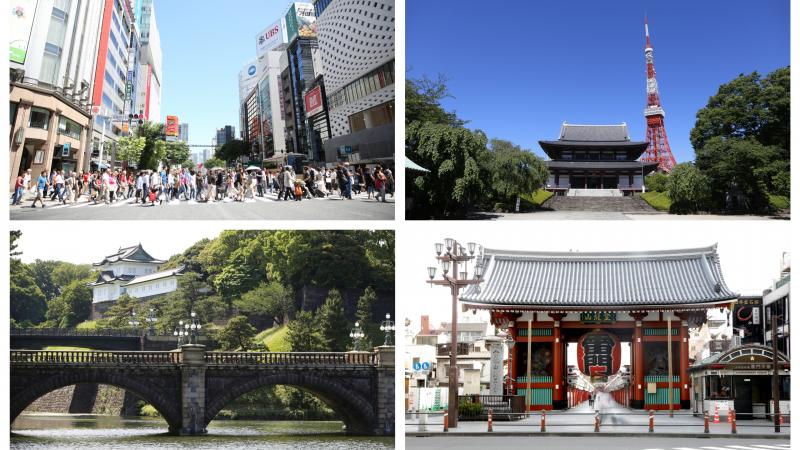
[[580, 443], [257, 208], [615, 215]]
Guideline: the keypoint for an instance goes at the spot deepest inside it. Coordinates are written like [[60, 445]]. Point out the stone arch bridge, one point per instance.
[[190, 386]]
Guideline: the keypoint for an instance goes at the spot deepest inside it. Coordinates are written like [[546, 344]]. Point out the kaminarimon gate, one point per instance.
[[546, 300]]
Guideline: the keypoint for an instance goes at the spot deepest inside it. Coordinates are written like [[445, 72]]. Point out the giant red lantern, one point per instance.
[[599, 353]]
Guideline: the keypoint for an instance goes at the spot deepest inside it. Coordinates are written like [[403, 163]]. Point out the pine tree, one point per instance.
[[364, 315], [303, 335], [333, 324]]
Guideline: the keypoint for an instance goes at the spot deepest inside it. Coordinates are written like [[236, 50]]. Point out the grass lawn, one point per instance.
[[275, 339], [657, 200], [779, 201], [64, 348], [538, 197], [87, 325]]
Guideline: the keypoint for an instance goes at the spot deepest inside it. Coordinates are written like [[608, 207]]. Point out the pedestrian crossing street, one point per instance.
[[131, 202], [729, 447]]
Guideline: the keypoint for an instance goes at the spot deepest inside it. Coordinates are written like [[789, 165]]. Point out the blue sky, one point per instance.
[[205, 45], [517, 70]]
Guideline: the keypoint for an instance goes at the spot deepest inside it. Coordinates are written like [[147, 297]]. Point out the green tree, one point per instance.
[[176, 152], [153, 151], [656, 182], [28, 303], [232, 150], [333, 324], [129, 148], [423, 102], [14, 236], [458, 162], [304, 335], [515, 171], [238, 334], [193, 294], [72, 306], [365, 317], [43, 273], [687, 188], [269, 300], [741, 139], [119, 314], [213, 162]]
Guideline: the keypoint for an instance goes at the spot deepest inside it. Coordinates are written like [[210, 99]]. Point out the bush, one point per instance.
[[779, 202], [149, 411], [656, 182], [469, 409], [658, 200], [688, 189]]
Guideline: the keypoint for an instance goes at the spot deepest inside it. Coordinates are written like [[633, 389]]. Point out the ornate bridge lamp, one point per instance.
[[134, 321], [179, 333], [356, 334], [452, 255], [387, 326], [151, 320], [192, 328]]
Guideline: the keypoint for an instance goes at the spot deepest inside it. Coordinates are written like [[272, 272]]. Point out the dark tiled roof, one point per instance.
[[133, 254], [606, 165], [156, 276], [107, 276], [594, 133], [604, 279]]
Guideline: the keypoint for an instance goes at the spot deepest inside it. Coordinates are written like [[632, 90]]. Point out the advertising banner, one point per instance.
[[300, 22], [171, 128], [270, 38], [314, 101], [248, 77], [22, 13]]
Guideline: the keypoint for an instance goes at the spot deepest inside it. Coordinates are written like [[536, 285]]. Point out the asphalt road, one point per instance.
[[593, 443], [259, 208]]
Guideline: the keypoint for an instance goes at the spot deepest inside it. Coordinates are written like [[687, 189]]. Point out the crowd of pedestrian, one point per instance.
[[205, 184]]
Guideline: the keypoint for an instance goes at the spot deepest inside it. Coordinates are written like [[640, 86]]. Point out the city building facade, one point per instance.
[[356, 41]]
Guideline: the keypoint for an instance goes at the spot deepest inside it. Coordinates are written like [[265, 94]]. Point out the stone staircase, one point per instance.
[[594, 193], [630, 204]]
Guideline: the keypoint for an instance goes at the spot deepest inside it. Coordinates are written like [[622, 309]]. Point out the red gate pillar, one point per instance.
[[559, 397], [684, 362], [638, 362]]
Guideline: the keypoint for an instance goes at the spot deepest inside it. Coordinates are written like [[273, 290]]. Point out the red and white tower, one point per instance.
[[658, 149]]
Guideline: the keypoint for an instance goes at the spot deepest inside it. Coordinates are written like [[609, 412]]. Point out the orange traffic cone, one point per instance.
[[716, 413], [729, 416], [780, 419]]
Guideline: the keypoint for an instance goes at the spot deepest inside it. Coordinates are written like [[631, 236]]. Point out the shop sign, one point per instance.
[[65, 149], [20, 26], [313, 101]]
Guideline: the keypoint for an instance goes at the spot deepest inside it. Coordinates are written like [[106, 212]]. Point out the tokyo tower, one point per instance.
[[658, 146]]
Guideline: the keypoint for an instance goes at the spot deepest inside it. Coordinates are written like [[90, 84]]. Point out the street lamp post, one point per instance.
[[151, 320], [356, 334], [192, 328], [451, 255], [387, 326], [178, 333]]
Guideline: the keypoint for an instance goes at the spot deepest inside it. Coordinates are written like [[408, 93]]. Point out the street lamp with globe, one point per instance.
[[356, 334], [451, 254], [387, 326]]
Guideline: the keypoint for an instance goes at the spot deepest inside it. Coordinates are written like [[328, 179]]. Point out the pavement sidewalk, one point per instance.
[[615, 420]]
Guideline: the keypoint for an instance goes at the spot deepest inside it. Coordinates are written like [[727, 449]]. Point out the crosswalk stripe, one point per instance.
[[127, 201], [742, 447], [769, 446], [684, 448], [716, 448]]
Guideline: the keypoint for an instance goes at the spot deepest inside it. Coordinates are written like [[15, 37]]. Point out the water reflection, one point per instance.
[[91, 432]]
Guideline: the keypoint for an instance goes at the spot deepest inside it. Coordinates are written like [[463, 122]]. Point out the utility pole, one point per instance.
[[776, 414]]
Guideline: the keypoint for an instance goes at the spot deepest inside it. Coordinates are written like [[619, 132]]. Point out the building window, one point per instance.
[[40, 118], [69, 127], [718, 387], [12, 115]]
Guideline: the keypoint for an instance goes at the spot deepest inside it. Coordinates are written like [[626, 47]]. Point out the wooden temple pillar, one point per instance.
[[638, 386], [559, 395], [684, 361]]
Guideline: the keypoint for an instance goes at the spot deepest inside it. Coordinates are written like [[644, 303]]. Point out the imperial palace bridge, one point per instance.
[[190, 386], [597, 301]]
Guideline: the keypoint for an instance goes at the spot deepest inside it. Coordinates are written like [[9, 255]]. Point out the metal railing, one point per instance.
[[291, 358], [476, 407], [60, 332], [45, 357]]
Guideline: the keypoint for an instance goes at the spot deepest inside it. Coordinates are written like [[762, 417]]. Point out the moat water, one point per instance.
[[94, 432]]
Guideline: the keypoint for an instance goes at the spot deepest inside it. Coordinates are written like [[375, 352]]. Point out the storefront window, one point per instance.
[[69, 127], [40, 118], [718, 387], [785, 388]]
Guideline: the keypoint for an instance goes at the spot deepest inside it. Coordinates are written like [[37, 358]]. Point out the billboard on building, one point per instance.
[[22, 13], [171, 128], [248, 77], [270, 38], [301, 21], [313, 101]]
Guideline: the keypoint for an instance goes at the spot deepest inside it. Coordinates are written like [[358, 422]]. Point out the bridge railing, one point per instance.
[[291, 358], [93, 357], [120, 332]]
